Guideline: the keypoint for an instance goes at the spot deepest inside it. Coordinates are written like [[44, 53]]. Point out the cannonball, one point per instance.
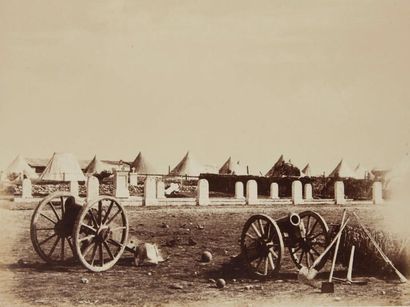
[[220, 283], [206, 256]]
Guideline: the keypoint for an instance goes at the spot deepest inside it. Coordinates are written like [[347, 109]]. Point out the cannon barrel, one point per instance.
[[286, 223]]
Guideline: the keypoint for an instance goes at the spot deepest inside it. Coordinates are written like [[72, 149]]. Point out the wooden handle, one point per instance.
[[318, 259], [336, 249]]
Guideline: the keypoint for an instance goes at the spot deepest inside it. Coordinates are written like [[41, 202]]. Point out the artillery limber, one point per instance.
[[94, 232], [263, 241]]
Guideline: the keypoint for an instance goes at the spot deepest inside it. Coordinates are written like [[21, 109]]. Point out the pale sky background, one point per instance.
[[314, 80]]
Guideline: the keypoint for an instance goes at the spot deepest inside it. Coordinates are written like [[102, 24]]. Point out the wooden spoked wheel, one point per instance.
[[100, 233], [51, 227], [262, 245], [312, 242]]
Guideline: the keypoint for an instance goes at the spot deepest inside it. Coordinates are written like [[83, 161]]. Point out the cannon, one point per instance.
[[263, 241], [95, 232]]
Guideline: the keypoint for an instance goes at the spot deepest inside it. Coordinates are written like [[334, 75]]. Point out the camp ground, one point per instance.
[[202, 233]]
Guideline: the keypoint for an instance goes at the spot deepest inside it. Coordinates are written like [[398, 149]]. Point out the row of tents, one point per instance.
[[65, 167]]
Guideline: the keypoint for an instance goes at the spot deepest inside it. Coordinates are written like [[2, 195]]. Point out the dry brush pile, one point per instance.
[[367, 259]]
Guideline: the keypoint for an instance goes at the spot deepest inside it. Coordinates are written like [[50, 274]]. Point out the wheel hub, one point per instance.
[[103, 233]]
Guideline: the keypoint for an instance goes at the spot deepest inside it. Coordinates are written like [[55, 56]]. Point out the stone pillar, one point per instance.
[[134, 179], [74, 188], [93, 188], [202, 196], [377, 193], [297, 192], [274, 190], [121, 184], [26, 188], [160, 189], [150, 191], [340, 193], [239, 190], [308, 191], [251, 192]]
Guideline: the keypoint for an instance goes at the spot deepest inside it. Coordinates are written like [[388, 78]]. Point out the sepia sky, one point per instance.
[[315, 80]]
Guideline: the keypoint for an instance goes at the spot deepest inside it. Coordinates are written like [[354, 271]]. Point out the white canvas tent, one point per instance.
[[96, 166], [187, 167], [360, 172], [63, 167], [342, 170], [142, 166], [307, 171], [232, 168], [18, 168]]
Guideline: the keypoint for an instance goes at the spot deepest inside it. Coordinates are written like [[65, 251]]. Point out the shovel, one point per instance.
[[328, 287], [305, 274]]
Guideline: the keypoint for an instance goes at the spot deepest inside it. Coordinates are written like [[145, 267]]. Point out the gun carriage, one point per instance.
[[95, 232], [264, 240]]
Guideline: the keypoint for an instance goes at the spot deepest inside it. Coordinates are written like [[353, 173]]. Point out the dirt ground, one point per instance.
[[26, 280]]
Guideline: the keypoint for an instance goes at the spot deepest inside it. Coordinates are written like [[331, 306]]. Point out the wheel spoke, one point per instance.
[[62, 248], [259, 263], [313, 227], [88, 248], [71, 246], [90, 212], [256, 230], [89, 228], [271, 261], [261, 227], [248, 235], [297, 249], [108, 250], [43, 215], [93, 254], [51, 228], [308, 224], [268, 230], [272, 251], [314, 249], [301, 257], [101, 254], [316, 235], [62, 206], [108, 212], [266, 267], [99, 212], [89, 237], [308, 259], [53, 247], [54, 210], [113, 217], [47, 239], [113, 242]]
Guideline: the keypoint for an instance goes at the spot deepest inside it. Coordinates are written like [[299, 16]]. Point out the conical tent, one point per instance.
[[342, 170], [187, 167], [232, 168], [17, 168], [360, 172], [63, 167], [96, 166], [307, 171], [278, 163], [283, 169], [142, 166]]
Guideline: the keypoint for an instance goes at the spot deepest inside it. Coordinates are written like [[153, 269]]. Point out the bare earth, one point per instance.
[[26, 280]]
